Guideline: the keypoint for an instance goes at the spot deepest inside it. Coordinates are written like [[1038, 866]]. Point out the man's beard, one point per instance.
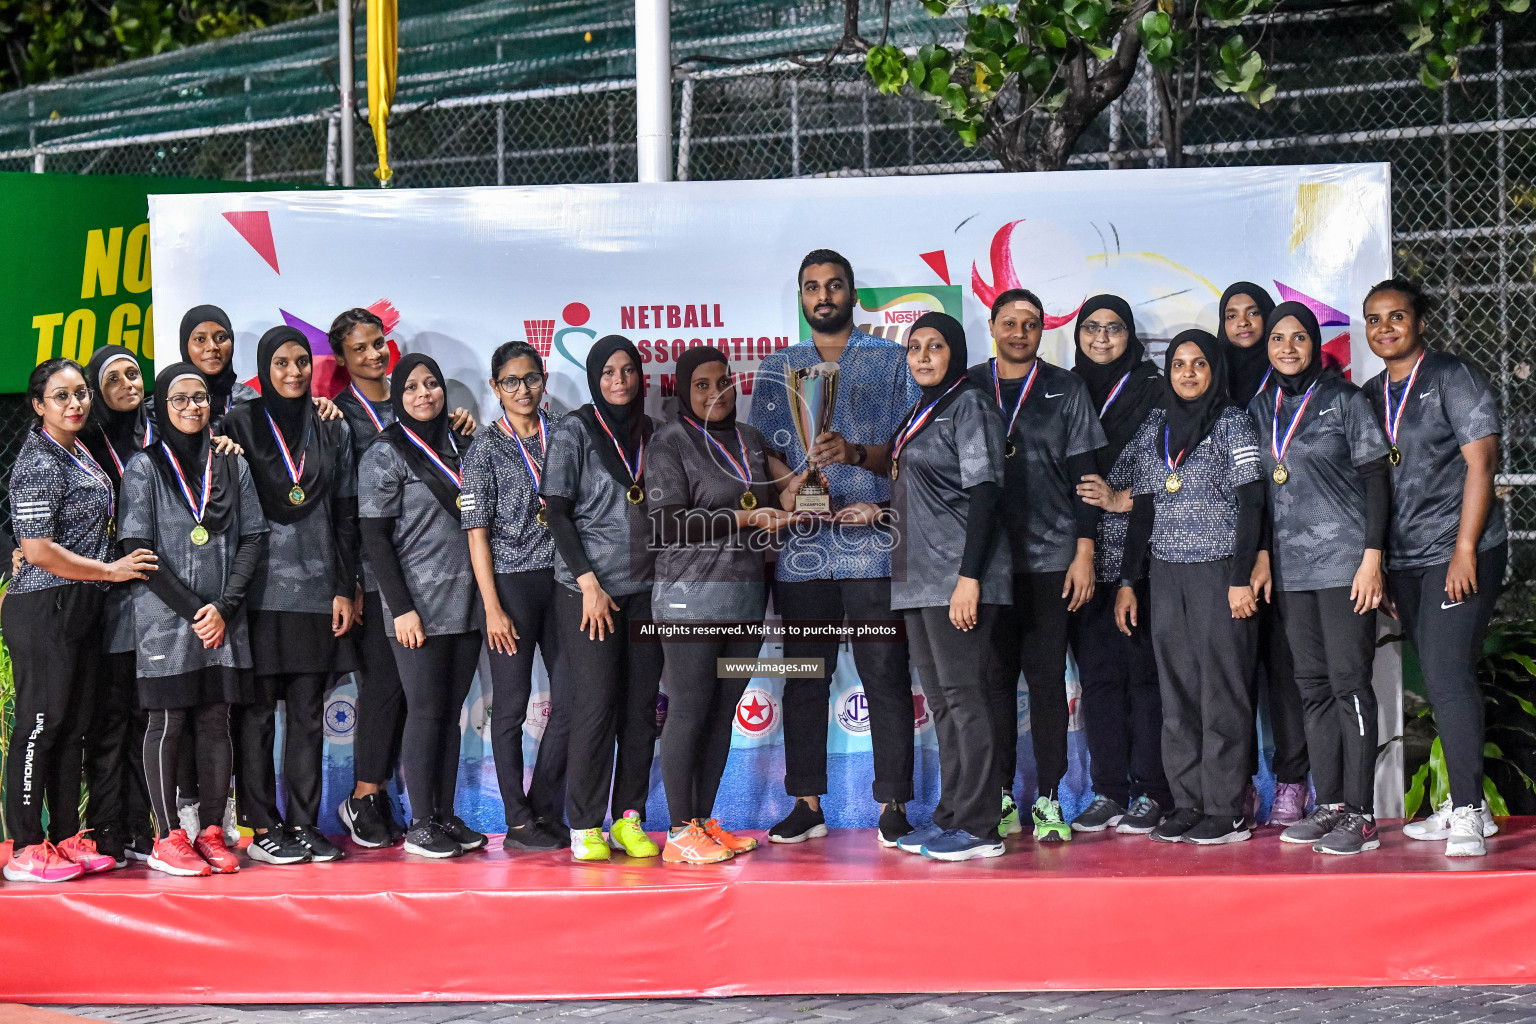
[[834, 321]]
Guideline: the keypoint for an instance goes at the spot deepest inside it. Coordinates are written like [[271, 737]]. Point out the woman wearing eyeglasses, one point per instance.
[[301, 598], [198, 511], [411, 504], [514, 559], [63, 509], [594, 493]]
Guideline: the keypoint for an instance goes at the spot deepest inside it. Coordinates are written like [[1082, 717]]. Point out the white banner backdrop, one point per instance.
[[455, 272]]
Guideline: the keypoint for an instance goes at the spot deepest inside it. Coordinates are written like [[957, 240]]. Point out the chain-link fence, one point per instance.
[[1464, 202]]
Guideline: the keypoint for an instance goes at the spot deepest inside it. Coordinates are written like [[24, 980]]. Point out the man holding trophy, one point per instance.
[[828, 406]]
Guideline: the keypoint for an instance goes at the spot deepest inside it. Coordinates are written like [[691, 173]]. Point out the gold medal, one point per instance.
[[458, 502], [199, 535], [1395, 455], [111, 527], [895, 470], [1281, 474], [634, 494], [542, 516], [1009, 449], [749, 501], [296, 496], [1173, 483]]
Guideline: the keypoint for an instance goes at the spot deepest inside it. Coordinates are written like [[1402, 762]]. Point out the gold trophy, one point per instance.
[[813, 400]]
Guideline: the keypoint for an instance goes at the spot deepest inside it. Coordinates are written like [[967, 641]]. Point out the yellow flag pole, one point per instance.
[[383, 51]]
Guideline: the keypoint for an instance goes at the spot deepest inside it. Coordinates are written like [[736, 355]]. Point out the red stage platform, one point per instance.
[[832, 916]]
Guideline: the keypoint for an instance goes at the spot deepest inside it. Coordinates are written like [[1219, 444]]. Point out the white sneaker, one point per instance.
[[231, 824], [186, 817], [1466, 838], [1438, 825]]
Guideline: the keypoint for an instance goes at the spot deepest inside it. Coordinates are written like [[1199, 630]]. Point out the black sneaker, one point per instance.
[[276, 846], [1353, 834], [1314, 826], [1103, 813], [140, 848], [467, 838], [532, 835], [426, 838], [1179, 822], [800, 824], [360, 817], [321, 850], [387, 807], [556, 830], [1215, 830], [110, 842], [1144, 815], [893, 825]]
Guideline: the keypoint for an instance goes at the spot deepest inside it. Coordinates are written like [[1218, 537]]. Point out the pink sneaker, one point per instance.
[[41, 862], [81, 849], [1290, 804]]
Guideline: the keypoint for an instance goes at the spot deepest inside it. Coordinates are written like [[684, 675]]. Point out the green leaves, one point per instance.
[[1438, 30], [1239, 69]]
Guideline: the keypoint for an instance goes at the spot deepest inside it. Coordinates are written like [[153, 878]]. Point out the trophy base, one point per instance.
[[816, 504]]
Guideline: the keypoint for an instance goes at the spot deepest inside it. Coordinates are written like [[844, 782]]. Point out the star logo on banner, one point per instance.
[[756, 713]]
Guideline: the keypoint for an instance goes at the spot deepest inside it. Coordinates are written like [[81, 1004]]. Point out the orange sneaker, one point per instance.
[[694, 846], [174, 855], [209, 845], [81, 849], [730, 840]]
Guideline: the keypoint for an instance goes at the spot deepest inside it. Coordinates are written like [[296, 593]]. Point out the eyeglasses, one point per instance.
[[1093, 330], [180, 402], [61, 398], [512, 385]]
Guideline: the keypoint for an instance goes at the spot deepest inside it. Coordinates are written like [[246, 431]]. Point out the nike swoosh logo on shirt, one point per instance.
[[1426, 394], [1453, 604], [1056, 395], [1325, 412]]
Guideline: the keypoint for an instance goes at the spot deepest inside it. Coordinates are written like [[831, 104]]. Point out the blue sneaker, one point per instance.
[[913, 841], [958, 844]]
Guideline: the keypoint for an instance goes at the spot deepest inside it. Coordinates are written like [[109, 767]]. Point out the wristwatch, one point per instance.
[[863, 454]]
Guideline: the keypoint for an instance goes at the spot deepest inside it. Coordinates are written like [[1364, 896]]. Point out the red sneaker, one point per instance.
[[174, 855], [210, 846], [730, 840], [41, 862], [81, 849]]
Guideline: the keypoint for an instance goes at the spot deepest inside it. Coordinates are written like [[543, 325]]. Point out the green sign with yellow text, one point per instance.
[[74, 266]]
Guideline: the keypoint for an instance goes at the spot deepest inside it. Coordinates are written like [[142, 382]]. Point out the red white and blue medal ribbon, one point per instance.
[[1174, 481], [295, 472], [199, 531], [533, 467], [1394, 418], [1029, 383], [437, 460], [1277, 446], [635, 494], [737, 467], [917, 423], [378, 424], [1263, 381], [1114, 394], [96, 473]]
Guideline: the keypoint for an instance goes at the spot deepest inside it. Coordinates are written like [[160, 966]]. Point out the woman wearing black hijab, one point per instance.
[[208, 343], [594, 491], [118, 809], [1241, 316], [950, 573], [1198, 510], [710, 497], [1123, 708], [410, 503], [198, 511], [301, 599], [1325, 460]]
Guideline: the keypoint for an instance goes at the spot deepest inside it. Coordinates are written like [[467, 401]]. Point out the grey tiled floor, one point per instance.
[[1461, 1005]]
